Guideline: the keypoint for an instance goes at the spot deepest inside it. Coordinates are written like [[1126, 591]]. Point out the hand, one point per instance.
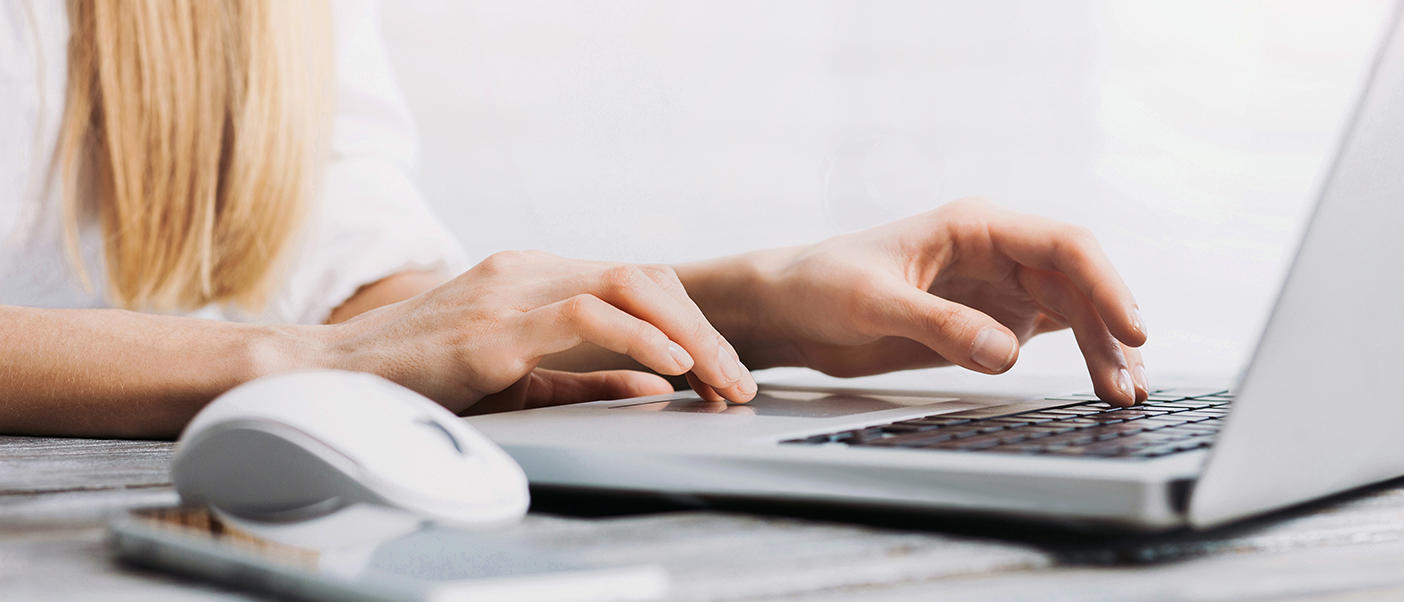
[[475, 342], [964, 284]]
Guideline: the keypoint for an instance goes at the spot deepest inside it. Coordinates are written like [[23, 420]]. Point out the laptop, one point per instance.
[[1316, 411]]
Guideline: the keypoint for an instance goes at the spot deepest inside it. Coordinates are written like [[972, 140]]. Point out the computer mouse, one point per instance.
[[302, 445]]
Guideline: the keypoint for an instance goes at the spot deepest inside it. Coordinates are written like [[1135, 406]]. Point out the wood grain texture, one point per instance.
[[55, 495], [49, 464]]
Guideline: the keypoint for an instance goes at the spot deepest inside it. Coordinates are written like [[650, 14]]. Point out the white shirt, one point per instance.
[[369, 222]]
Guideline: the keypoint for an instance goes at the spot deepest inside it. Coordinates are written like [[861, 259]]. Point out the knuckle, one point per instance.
[[701, 330], [1078, 244], [975, 203], [501, 261], [623, 278], [660, 273], [580, 309], [947, 320], [968, 206], [1081, 234]]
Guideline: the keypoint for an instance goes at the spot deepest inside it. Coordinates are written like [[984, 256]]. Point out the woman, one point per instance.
[[202, 193]]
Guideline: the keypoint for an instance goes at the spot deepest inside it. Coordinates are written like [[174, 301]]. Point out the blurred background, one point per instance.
[[1190, 135]]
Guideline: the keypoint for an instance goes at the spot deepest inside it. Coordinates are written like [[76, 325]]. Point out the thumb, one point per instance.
[[553, 387], [963, 335]]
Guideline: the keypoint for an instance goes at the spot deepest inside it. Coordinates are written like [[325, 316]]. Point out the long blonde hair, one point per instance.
[[194, 130]]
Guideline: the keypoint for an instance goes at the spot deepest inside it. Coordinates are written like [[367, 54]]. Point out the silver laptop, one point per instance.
[[1316, 412]]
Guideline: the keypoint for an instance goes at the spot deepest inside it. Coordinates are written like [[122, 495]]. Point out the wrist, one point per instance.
[[287, 348]]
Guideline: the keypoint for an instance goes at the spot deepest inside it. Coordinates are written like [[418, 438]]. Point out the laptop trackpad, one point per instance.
[[803, 404]]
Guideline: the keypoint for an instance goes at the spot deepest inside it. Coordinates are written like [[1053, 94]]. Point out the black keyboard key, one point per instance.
[[1172, 421], [1073, 438], [1018, 448], [1137, 413], [1209, 427], [1164, 435], [1215, 401], [972, 443], [1162, 421], [923, 439], [1092, 450], [1197, 416], [859, 435], [1170, 448], [1008, 421], [1051, 428], [1073, 397], [1042, 416], [985, 428], [937, 420], [1072, 411], [815, 440], [1175, 406], [902, 427], [1185, 392]]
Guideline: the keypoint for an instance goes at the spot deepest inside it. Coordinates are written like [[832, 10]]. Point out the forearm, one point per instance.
[[127, 374]]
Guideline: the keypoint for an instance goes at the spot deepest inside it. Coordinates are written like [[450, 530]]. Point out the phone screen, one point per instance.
[[428, 561]]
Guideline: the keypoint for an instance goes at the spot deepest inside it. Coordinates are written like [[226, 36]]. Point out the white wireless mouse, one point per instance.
[[302, 445]]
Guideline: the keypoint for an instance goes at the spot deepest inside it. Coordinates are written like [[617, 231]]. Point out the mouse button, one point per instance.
[[256, 468], [430, 472], [438, 428], [416, 462]]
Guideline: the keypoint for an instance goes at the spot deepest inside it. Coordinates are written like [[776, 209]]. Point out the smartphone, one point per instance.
[[430, 562]]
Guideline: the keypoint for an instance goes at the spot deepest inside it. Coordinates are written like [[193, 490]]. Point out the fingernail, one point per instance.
[[680, 356], [1137, 322], [993, 349], [730, 367], [1123, 382], [747, 384], [1140, 372]]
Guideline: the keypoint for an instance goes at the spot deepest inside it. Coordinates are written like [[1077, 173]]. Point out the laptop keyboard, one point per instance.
[[1170, 421]]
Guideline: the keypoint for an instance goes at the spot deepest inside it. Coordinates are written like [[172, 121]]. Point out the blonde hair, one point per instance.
[[193, 129]]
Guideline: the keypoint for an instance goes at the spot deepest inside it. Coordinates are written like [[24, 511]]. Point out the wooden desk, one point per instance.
[[54, 494]]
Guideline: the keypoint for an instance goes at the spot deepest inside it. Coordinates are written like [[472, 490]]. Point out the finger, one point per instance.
[[506, 400], [964, 336], [667, 278], [552, 387], [703, 390], [586, 318], [635, 290], [541, 388], [1138, 372], [709, 407], [1050, 245], [1106, 362]]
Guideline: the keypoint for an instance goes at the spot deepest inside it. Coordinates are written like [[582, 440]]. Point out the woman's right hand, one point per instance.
[[480, 336]]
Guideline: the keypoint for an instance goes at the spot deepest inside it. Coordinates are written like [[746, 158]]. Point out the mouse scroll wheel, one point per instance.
[[443, 431]]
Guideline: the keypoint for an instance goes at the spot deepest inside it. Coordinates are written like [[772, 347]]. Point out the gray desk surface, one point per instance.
[[54, 494]]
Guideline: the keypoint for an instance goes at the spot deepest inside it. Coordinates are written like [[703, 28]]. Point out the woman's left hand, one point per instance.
[[965, 284]]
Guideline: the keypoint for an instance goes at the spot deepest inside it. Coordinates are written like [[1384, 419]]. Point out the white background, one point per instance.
[[1190, 135]]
